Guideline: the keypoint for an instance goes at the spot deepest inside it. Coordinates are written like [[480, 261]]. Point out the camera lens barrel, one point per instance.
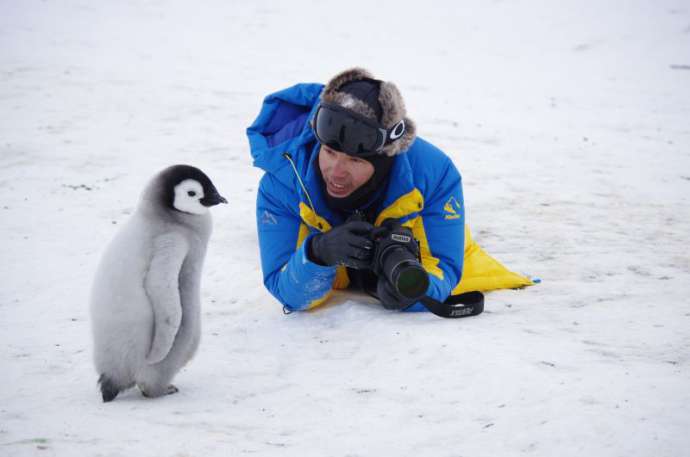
[[403, 271], [410, 279]]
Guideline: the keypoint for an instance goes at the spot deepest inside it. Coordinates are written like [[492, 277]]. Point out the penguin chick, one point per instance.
[[145, 299]]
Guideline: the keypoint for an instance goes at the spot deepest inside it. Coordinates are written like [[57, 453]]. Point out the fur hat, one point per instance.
[[386, 107]]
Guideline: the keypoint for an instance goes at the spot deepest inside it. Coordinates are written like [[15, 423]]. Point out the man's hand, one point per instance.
[[389, 297], [348, 244]]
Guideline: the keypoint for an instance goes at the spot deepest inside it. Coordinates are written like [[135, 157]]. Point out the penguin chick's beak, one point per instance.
[[213, 200]]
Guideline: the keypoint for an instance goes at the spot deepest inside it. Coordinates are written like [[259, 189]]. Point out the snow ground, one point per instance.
[[569, 122]]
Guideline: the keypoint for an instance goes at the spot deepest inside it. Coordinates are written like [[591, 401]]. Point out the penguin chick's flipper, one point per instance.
[[163, 291], [108, 388]]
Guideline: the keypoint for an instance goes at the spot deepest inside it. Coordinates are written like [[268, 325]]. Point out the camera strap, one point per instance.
[[461, 305]]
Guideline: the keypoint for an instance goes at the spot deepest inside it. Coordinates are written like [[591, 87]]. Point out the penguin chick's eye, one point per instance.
[[191, 193]]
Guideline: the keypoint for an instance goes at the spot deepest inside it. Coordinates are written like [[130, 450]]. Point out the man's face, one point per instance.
[[342, 173]]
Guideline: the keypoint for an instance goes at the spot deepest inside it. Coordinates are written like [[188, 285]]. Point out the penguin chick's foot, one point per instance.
[[171, 390], [108, 388], [153, 393]]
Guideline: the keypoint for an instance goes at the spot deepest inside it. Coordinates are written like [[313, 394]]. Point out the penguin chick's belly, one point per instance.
[[123, 331], [122, 317]]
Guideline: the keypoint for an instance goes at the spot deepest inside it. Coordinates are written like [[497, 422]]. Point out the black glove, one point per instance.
[[348, 244], [390, 298]]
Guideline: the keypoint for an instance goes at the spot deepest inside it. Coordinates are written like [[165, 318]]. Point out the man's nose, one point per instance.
[[339, 166]]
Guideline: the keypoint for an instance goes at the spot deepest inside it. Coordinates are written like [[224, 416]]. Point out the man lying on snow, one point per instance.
[[351, 197]]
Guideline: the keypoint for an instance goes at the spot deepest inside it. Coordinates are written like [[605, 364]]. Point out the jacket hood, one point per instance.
[[282, 127]]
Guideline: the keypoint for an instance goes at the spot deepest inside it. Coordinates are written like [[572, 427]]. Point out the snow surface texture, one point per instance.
[[569, 122]]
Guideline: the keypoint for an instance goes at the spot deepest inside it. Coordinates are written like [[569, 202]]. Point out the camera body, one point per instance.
[[396, 257]]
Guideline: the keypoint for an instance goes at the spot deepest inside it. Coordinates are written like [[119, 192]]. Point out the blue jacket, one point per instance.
[[424, 192]]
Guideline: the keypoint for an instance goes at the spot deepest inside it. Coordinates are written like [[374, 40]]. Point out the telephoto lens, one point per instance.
[[404, 272], [410, 280], [396, 259]]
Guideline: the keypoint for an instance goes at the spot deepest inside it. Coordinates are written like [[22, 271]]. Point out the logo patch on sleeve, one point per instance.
[[268, 218], [452, 209]]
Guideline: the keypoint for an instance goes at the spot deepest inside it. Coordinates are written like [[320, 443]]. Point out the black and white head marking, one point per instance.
[[188, 190], [187, 197]]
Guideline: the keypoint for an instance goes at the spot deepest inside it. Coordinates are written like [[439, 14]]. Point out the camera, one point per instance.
[[396, 257]]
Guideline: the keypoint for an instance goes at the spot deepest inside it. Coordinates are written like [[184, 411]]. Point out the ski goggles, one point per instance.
[[348, 132]]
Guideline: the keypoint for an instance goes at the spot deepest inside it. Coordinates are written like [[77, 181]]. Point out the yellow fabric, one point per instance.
[[429, 262], [407, 204], [483, 273], [342, 280], [302, 234], [312, 219], [320, 301]]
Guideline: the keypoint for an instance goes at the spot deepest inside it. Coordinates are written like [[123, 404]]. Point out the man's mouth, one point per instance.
[[337, 190]]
